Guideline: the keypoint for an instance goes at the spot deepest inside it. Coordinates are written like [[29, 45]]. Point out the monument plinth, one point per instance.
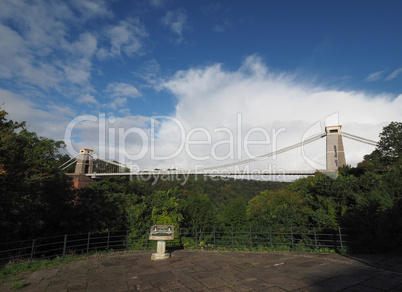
[[161, 233]]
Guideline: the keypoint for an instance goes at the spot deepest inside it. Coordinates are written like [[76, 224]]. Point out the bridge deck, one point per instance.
[[205, 172]]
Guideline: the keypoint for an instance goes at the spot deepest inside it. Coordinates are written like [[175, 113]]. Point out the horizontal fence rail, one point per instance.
[[235, 238], [271, 238]]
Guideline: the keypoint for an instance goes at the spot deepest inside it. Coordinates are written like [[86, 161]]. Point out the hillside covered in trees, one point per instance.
[[37, 199]]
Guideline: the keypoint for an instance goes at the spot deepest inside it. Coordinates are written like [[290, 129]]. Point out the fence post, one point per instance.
[[196, 237], [64, 245], [315, 238], [251, 240], [89, 238], [291, 235], [108, 237], [180, 243], [146, 242], [340, 237], [32, 249], [232, 236], [127, 240], [214, 238], [270, 237]]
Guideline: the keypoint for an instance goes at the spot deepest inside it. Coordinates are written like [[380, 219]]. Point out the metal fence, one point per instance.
[[269, 238], [240, 238]]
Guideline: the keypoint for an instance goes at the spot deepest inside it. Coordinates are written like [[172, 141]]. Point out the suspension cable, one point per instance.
[[360, 139], [264, 156], [108, 161], [68, 165], [68, 161]]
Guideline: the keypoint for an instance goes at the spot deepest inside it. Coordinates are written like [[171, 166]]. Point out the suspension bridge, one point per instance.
[[89, 166]]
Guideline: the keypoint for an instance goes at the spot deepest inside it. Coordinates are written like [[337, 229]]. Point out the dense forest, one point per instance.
[[37, 198]]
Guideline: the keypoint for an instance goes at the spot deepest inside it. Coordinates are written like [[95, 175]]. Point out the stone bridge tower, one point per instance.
[[85, 165], [335, 151], [85, 162]]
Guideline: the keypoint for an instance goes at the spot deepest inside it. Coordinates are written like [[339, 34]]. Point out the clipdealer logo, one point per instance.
[[237, 142]]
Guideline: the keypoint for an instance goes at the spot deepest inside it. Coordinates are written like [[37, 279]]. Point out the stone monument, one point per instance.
[[161, 233]]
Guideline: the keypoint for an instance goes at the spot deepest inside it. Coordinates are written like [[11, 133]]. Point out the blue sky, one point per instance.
[[202, 62]]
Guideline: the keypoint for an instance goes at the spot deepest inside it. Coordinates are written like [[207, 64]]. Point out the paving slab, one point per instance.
[[199, 270]]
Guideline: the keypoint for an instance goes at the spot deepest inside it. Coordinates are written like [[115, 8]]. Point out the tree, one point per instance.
[[390, 144], [98, 210], [388, 153], [138, 215], [199, 212], [235, 213], [324, 196], [282, 207], [35, 194], [166, 208], [369, 217]]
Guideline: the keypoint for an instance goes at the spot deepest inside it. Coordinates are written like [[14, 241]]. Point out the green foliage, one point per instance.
[[12, 269], [98, 210], [138, 217], [392, 183], [18, 286], [390, 145], [283, 207], [166, 208], [388, 154], [15, 268], [35, 194], [325, 216], [199, 212], [371, 162], [234, 214], [220, 190], [185, 203]]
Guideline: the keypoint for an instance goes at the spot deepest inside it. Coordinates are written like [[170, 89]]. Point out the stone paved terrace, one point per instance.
[[197, 270]]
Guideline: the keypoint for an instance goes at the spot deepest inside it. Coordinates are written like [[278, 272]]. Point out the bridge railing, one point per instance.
[[218, 238]]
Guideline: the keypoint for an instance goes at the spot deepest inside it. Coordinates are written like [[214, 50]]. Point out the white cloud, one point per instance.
[[102, 135], [176, 21], [211, 97], [394, 74], [42, 24], [87, 99], [78, 72], [122, 90], [18, 61], [119, 92], [85, 46], [77, 65], [48, 121], [90, 9], [374, 76], [149, 71], [36, 48], [129, 36], [118, 102]]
